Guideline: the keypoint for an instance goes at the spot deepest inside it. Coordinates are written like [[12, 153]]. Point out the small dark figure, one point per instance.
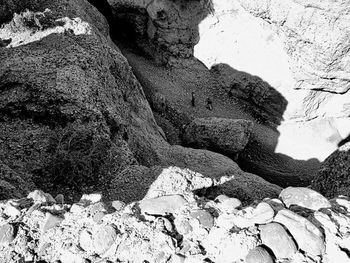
[[193, 101], [209, 104]]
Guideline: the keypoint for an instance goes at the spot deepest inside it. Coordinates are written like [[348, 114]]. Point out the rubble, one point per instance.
[[175, 226]]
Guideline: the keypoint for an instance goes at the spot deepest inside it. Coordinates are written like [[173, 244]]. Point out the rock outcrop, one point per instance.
[[333, 177], [167, 30], [218, 134], [289, 47], [70, 105], [172, 224]]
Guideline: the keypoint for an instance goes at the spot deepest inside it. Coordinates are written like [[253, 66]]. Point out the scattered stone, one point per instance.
[[59, 199], [177, 258], [275, 237], [118, 205], [88, 199], [12, 211], [162, 205], [262, 214], [51, 221], [229, 205], [40, 197], [204, 218], [7, 233], [85, 240], [304, 197], [104, 238], [259, 255], [308, 236]]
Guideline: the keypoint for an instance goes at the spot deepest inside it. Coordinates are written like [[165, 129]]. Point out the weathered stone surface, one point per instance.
[[204, 218], [165, 29], [164, 205], [258, 255], [276, 238], [308, 236], [103, 238], [333, 177], [218, 134], [7, 233], [304, 197], [51, 221], [286, 65]]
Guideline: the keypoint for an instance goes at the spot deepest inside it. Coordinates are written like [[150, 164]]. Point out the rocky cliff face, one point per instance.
[[301, 48], [167, 30]]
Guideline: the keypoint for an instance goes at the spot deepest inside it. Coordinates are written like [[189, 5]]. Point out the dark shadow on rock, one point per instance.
[[332, 179], [345, 140]]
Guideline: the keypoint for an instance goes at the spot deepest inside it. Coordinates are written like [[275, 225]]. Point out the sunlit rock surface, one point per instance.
[[299, 48], [176, 226]]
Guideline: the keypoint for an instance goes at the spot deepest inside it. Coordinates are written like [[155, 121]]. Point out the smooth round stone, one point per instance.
[[176, 258], [308, 237], [229, 205], [204, 217], [262, 214], [275, 237], [104, 238], [165, 224], [183, 226], [7, 233], [221, 198], [304, 197], [259, 255]]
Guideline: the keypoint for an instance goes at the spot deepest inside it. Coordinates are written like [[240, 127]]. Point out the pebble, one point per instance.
[[40, 197], [51, 221], [204, 218], [7, 233], [163, 205], [308, 236], [304, 197], [183, 226], [104, 238], [165, 224], [118, 205], [221, 198], [262, 214], [90, 198], [229, 205], [274, 236], [11, 211], [59, 199], [85, 240], [259, 255]]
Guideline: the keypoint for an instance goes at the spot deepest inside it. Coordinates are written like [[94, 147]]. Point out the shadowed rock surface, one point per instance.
[[333, 178]]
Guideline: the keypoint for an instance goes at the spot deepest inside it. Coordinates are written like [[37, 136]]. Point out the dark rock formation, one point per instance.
[[333, 178], [167, 30], [218, 134]]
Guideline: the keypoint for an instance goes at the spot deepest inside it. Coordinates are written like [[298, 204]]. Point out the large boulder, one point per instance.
[[227, 136], [288, 46], [333, 178], [72, 113]]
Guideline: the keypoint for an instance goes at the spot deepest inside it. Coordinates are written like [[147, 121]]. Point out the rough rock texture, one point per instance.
[[267, 104], [218, 134], [173, 227], [299, 50], [333, 178], [168, 30], [70, 105]]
